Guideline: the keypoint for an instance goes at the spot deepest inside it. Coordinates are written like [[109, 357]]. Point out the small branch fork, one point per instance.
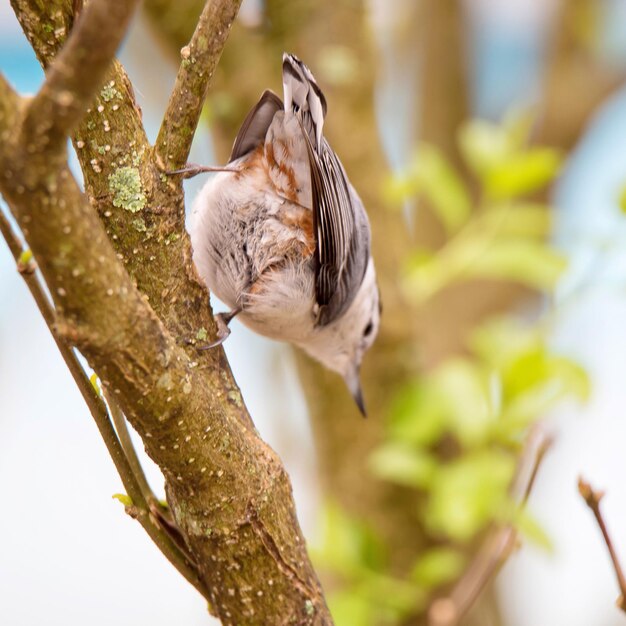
[[199, 60], [496, 548], [592, 498]]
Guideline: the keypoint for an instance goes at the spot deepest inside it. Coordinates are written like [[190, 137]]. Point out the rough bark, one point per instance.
[[126, 295]]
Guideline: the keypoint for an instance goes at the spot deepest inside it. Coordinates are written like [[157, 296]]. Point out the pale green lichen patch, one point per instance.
[[166, 382], [202, 43], [202, 334], [125, 186], [137, 156], [109, 92], [139, 225], [235, 398]]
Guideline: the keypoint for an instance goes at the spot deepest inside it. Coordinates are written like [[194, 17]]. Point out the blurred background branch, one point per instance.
[[592, 499]]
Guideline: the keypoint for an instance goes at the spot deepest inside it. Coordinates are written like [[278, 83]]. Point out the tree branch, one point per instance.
[[76, 73], [228, 492], [130, 475], [199, 60], [496, 548], [592, 499]]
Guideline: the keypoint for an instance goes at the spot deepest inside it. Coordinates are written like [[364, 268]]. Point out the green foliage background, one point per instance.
[[454, 436]]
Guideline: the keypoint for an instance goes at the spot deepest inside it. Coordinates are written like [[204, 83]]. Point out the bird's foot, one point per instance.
[[223, 331], [193, 169]]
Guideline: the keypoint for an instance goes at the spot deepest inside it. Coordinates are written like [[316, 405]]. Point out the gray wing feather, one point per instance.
[[342, 234], [254, 128], [340, 223]]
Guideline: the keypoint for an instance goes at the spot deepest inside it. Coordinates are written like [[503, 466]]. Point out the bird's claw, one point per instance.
[[223, 331]]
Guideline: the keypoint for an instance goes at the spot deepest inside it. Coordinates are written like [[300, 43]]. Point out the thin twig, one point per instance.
[[28, 271], [159, 510], [592, 499], [199, 60], [121, 427], [140, 508], [76, 73], [496, 548]]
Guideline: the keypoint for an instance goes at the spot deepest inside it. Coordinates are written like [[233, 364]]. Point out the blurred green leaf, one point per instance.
[[376, 599], [417, 416], [517, 125], [516, 219], [463, 390], [399, 187], [430, 175], [534, 383], [469, 493], [483, 145], [403, 464], [438, 566], [346, 545], [351, 609], [539, 366], [522, 174], [397, 597], [442, 186], [532, 530], [499, 341], [622, 200], [528, 262], [499, 157]]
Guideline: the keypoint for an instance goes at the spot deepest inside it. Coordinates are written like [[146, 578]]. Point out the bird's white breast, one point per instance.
[[250, 251]]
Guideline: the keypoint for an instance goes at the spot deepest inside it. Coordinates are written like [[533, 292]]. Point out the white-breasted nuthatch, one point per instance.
[[281, 236]]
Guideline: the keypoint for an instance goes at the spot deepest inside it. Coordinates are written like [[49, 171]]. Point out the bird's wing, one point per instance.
[[340, 223], [342, 235], [254, 128]]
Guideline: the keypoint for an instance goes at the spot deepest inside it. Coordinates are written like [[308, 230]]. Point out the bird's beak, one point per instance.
[[354, 385]]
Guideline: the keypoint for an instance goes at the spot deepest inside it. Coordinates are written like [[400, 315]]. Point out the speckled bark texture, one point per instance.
[[117, 263]]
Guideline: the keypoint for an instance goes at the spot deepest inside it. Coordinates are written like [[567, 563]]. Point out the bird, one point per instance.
[[281, 236]]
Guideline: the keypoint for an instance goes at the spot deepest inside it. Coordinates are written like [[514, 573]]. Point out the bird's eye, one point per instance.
[[368, 329]]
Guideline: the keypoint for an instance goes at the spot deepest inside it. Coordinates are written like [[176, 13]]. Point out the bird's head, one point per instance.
[[341, 345]]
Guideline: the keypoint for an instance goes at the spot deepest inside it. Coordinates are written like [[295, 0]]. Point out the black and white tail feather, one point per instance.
[[340, 222]]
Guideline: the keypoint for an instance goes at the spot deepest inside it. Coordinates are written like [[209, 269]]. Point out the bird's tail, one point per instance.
[[302, 95]]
